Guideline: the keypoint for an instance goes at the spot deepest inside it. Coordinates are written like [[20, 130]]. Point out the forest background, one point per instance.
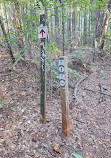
[[82, 30]]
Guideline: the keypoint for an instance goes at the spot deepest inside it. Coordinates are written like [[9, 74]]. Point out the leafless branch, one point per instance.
[[76, 86], [97, 92]]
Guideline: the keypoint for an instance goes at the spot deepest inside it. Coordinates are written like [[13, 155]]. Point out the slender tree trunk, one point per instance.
[[63, 28], [105, 26], [18, 26], [73, 27], [99, 25], [89, 26], [69, 26], [85, 28], [6, 18], [6, 39], [47, 22], [25, 25], [79, 29], [51, 28], [57, 31], [82, 27]]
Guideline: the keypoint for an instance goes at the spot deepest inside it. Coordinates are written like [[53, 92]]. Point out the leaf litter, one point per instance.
[[22, 134]]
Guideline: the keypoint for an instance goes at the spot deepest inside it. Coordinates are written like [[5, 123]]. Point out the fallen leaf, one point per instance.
[[40, 138], [10, 137], [56, 148]]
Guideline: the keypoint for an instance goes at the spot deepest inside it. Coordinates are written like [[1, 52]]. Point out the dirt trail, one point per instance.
[[22, 135]]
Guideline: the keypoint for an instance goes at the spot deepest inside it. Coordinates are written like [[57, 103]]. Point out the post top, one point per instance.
[[62, 57], [43, 19]]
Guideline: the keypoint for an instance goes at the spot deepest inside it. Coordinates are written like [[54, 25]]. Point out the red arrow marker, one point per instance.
[[42, 31]]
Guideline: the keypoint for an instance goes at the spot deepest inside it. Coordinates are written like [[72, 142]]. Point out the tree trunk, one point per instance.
[[69, 26], [51, 28], [85, 28], [18, 26], [105, 26], [73, 26], [99, 25], [6, 39], [89, 28], [26, 26], [56, 24], [5, 8]]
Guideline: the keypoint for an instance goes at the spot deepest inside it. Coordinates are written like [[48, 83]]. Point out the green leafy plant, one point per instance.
[[26, 75], [3, 104], [81, 54], [102, 73], [14, 107], [12, 73], [54, 49], [56, 74], [38, 102], [17, 118], [19, 57], [76, 74]]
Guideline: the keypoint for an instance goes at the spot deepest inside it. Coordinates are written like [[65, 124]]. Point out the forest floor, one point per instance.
[[21, 133]]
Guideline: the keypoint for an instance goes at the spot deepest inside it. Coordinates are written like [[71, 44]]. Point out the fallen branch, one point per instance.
[[101, 90], [101, 86], [97, 92], [76, 86]]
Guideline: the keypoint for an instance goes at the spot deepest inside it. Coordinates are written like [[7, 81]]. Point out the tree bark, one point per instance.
[[105, 26], [69, 26], [99, 25], [6, 39], [51, 28], [57, 32], [73, 26], [85, 28], [5, 8], [18, 25]]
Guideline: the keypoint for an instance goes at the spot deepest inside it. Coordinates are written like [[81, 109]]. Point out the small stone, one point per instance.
[[90, 139]]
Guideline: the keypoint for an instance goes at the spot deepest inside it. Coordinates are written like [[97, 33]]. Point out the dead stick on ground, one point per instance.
[[76, 86], [97, 92], [101, 90]]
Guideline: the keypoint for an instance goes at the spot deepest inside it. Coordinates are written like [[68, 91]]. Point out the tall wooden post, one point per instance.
[[43, 73], [63, 75]]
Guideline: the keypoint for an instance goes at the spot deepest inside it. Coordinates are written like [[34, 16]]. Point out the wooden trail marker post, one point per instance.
[[63, 76], [42, 34]]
